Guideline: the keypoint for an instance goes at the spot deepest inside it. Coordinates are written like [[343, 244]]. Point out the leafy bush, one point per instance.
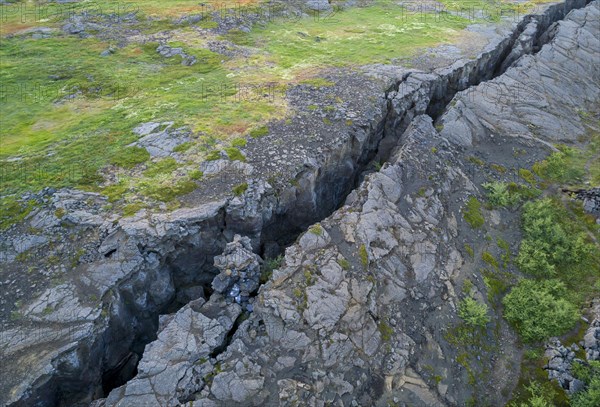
[[539, 310], [538, 397], [589, 373], [550, 241], [556, 167], [472, 213], [498, 194], [473, 312]]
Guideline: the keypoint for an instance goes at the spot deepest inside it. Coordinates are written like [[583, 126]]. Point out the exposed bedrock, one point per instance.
[[358, 306]]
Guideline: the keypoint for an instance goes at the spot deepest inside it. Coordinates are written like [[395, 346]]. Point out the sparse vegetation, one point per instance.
[[316, 229], [235, 154], [472, 213], [385, 330], [240, 189], [364, 255], [267, 268], [469, 250]]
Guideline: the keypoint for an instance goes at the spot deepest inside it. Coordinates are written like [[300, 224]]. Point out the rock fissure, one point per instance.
[[430, 95], [176, 267]]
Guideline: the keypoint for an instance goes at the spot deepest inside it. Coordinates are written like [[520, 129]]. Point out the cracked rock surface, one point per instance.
[[360, 311]]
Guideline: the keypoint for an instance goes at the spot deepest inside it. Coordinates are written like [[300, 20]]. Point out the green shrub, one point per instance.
[[129, 157], [538, 397], [473, 312], [590, 397], [556, 167], [538, 309], [550, 241], [239, 142], [472, 213], [213, 155], [499, 195], [235, 154]]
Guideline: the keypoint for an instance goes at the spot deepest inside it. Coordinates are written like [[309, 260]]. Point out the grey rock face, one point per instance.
[[159, 139], [533, 102], [239, 270], [173, 366]]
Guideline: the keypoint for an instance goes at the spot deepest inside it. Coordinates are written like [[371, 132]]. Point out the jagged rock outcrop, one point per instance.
[[174, 363], [239, 271]]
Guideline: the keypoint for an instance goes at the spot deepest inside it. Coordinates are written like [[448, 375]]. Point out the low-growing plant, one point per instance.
[[213, 155], [129, 157], [316, 229], [498, 194], [364, 255], [239, 142], [240, 189], [235, 154], [183, 147], [162, 167], [490, 259], [473, 312], [267, 268], [259, 132], [385, 330], [196, 175], [472, 213], [527, 176], [469, 250], [556, 167]]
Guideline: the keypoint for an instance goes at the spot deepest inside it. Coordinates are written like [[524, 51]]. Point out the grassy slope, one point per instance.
[[65, 142]]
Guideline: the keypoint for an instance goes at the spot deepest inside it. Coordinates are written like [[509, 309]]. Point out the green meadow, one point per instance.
[[67, 112]]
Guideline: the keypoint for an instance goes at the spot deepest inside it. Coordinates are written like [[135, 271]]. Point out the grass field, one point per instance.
[[68, 112]]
